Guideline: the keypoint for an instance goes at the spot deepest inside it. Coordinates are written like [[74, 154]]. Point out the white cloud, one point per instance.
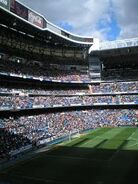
[[127, 17]]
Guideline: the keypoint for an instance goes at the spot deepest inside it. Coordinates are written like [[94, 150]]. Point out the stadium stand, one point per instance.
[[24, 102], [42, 129], [43, 67], [101, 88], [48, 73]]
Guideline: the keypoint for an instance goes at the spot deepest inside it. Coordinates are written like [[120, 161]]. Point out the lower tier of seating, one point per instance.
[[21, 133]]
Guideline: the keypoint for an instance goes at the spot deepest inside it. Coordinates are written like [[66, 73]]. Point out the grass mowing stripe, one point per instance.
[[75, 141], [110, 134], [117, 142], [106, 135], [97, 133], [111, 144], [131, 145], [91, 135], [124, 134], [118, 139], [91, 142], [80, 142], [134, 136]]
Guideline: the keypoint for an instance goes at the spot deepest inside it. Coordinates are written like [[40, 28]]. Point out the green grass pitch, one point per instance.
[[104, 156]]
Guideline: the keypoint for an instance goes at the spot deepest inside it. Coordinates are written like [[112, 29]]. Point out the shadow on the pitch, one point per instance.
[[71, 165]]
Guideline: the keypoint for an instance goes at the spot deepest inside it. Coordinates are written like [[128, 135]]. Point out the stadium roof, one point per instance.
[[16, 15], [133, 42]]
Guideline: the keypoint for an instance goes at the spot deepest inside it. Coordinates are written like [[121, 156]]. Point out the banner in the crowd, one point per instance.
[[44, 141], [35, 19], [5, 4], [38, 106]]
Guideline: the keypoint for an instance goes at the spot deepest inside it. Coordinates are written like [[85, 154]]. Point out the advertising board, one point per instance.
[[12, 6], [88, 39], [44, 23], [35, 19], [19, 9]]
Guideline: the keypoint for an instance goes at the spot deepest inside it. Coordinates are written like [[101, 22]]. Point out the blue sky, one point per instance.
[[65, 25], [113, 29], [103, 19]]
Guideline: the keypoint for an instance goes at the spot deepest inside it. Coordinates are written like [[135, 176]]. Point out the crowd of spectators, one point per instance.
[[23, 102], [114, 87], [120, 74], [43, 73], [45, 92], [15, 133], [31, 98], [10, 141], [104, 88], [50, 73]]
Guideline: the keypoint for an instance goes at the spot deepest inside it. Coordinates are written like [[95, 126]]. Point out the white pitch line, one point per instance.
[[133, 145], [131, 136]]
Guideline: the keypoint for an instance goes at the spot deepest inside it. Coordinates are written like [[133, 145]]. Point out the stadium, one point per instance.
[[68, 103]]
